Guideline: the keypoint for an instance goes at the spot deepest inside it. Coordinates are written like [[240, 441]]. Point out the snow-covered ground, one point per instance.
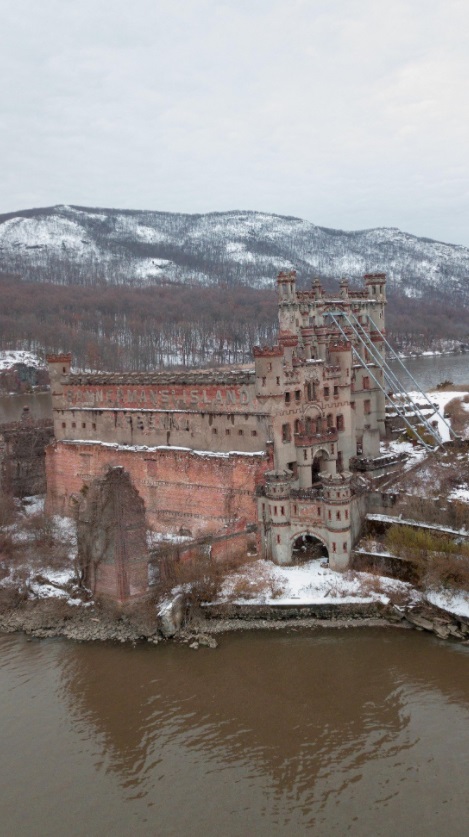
[[441, 398], [311, 583], [10, 357], [456, 602], [461, 493], [414, 454], [41, 580], [438, 398]]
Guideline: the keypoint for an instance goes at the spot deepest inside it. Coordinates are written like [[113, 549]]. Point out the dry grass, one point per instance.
[[440, 561], [200, 579], [260, 585], [7, 509]]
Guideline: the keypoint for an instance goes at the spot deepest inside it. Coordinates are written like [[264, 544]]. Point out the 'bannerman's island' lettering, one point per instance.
[[174, 398]]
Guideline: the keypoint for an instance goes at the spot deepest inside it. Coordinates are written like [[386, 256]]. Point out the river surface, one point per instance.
[[360, 732], [39, 405], [430, 371]]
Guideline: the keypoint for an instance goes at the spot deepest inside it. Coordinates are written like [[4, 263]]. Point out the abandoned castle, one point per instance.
[[227, 456]]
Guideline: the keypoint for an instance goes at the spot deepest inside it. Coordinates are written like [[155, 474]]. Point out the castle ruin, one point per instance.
[[223, 453]]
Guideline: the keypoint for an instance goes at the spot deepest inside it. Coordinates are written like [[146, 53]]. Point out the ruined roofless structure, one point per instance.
[[227, 452]]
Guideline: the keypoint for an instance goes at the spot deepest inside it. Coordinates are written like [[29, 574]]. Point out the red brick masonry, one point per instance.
[[203, 493]]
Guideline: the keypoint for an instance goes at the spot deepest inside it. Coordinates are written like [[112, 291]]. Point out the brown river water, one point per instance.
[[329, 732]]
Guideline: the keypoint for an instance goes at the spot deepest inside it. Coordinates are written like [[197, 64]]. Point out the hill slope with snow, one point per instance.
[[71, 244]]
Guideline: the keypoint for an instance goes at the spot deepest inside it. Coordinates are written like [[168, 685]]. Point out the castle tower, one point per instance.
[[59, 368], [268, 362], [287, 306], [375, 284], [278, 515], [337, 510]]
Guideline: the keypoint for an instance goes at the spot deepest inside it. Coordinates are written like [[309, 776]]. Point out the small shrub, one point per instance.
[[42, 530], [12, 597], [371, 584], [200, 579], [450, 572], [335, 590], [455, 411]]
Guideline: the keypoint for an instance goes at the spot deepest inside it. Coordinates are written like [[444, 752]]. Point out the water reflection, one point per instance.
[[360, 732], [306, 723]]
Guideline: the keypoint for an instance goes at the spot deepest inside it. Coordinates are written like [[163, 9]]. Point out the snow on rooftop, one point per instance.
[[133, 448]]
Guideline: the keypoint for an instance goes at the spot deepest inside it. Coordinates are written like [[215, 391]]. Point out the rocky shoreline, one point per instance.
[[42, 619]]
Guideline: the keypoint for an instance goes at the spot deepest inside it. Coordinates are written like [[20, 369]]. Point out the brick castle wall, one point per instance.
[[180, 488]]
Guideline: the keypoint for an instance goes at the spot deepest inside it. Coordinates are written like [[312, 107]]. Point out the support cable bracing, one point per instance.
[[396, 357], [392, 378], [399, 388], [362, 362]]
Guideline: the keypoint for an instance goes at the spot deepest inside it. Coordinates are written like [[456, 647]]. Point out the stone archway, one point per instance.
[[312, 419], [308, 547], [319, 464], [111, 535]]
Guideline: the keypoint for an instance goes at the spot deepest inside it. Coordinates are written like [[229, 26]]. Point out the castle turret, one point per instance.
[[59, 369], [277, 493], [337, 496], [286, 286], [375, 284], [269, 370]]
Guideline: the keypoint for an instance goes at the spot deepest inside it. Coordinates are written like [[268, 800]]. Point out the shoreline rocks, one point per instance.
[[43, 620]]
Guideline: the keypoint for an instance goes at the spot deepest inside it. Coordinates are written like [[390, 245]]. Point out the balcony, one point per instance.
[[308, 440], [314, 494], [331, 372]]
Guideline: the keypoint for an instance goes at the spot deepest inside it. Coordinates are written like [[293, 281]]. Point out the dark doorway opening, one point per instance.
[[308, 548]]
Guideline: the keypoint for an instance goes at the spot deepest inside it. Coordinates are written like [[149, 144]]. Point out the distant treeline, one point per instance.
[[130, 328], [119, 327]]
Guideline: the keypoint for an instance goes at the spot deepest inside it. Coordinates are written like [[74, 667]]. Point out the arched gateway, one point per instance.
[[308, 547], [306, 523]]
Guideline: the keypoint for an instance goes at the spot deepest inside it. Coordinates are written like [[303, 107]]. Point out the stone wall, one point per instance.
[[22, 456], [365, 610]]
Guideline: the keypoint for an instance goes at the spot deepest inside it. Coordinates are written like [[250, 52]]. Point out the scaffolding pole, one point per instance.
[[334, 315]]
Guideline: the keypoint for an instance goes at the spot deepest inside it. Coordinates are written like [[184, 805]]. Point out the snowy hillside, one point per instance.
[[11, 358], [70, 244]]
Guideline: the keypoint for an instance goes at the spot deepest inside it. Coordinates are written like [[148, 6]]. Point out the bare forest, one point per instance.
[[129, 328]]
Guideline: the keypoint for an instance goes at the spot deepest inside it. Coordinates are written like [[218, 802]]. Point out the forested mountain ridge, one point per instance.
[[137, 290], [79, 245]]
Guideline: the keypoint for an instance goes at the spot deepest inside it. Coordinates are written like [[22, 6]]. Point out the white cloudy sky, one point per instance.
[[349, 113]]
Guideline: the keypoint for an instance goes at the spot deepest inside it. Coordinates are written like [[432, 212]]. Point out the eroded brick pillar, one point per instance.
[[111, 531]]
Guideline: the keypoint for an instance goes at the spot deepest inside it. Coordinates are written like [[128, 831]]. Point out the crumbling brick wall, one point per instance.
[[22, 456], [111, 533], [180, 488]]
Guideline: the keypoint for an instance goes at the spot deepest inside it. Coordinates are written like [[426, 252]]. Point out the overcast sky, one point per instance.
[[348, 113]]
